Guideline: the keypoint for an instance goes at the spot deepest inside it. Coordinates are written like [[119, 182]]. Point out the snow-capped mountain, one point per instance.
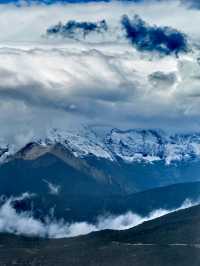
[[130, 145], [152, 145]]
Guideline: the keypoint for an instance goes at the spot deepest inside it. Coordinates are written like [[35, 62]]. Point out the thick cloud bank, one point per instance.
[[24, 223], [102, 79], [53, 87]]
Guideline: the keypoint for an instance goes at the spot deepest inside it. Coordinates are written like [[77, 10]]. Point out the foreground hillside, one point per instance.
[[173, 239]]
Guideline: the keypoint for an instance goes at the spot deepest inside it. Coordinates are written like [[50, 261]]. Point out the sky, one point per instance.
[[116, 63]]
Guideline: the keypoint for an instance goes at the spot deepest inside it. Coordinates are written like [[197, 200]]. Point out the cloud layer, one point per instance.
[[24, 223], [101, 80]]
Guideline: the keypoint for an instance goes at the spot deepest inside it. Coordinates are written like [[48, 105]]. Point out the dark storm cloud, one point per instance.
[[191, 3], [74, 28], [164, 40]]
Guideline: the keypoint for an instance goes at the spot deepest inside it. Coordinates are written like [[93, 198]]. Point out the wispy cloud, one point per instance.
[[53, 189]]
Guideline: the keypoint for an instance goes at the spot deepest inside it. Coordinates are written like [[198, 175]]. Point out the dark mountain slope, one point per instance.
[[180, 227], [173, 239], [169, 197], [30, 175], [88, 187], [124, 178], [88, 207], [138, 176], [81, 197]]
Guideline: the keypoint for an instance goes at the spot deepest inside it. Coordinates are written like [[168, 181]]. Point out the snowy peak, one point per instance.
[[134, 145], [128, 145], [152, 145], [81, 143]]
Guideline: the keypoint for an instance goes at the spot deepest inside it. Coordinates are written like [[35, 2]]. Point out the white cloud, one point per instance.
[[28, 23], [24, 223], [48, 83], [87, 84]]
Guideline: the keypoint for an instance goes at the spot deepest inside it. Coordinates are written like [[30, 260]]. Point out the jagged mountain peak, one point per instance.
[[160, 143], [133, 145]]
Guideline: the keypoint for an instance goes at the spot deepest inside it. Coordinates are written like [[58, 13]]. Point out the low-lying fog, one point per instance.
[[24, 223]]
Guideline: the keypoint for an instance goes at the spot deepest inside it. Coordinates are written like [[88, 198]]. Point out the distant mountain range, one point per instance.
[[118, 162], [86, 174], [80, 176], [173, 239], [114, 145]]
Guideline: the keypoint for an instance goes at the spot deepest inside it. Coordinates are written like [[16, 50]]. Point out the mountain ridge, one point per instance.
[[133, 145]]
